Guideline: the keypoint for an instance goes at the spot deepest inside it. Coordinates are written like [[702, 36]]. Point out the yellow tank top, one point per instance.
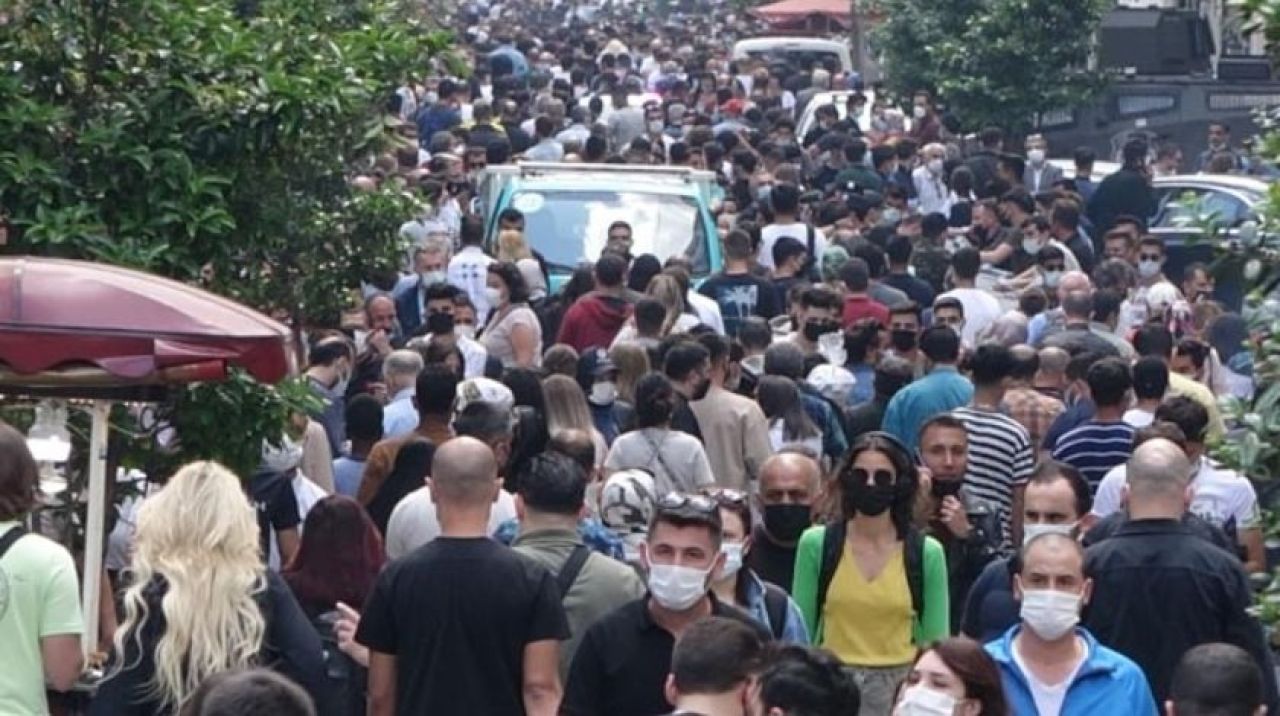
[[869, 623]]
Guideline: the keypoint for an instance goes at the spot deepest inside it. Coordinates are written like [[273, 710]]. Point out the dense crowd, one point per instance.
[[932, 440]]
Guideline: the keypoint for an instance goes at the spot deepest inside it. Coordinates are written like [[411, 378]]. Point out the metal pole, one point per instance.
[[94, 524]]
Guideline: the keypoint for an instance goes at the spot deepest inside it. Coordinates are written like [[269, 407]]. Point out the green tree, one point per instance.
[[994, 62], [172, 135]]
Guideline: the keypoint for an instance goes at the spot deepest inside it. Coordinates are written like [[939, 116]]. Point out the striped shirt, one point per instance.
[[1000, 457], [1094, 448]]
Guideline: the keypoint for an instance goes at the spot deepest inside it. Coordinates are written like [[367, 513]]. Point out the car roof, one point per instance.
[[1247, 185], [602, 181]]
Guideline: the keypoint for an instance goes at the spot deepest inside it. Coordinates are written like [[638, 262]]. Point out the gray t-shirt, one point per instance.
[[676, 459]]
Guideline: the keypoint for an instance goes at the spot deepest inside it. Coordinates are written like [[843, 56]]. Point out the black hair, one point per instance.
[[717, 346], [784, 198], [898, 250], [1106, 303], [683, 358], [882, 153], [873, 255], [1150, 378], [526, 387], [363, 416], [440, 291], [1197, 351], [483, 421], [1049, 470], [715, 655], [991, 136], [435, 389], [786, 248], [327, 351], [855, 274], [1109, 382], [1190, 416], [820, 297], [610, 269], [808, 681], [511, 277], [1026, 363], [754, 333], [966, 262], [649, 315], [554, 483], [251, 691], [990, 364], [1216, 679], [655, 400], [1154, 339], [940, 344]]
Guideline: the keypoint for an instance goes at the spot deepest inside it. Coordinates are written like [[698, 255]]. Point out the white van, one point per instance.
[[798, 50]]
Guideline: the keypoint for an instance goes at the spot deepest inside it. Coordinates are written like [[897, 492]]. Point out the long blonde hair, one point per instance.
[[200, 534], [512, 246], [566, 405], [666, 290], [632, 363]]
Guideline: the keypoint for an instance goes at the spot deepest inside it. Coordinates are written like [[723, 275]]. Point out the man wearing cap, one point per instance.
[[598, 378], [481, 410]]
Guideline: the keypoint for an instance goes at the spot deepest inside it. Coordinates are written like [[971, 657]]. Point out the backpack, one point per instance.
[[912, 555], [775, 607]]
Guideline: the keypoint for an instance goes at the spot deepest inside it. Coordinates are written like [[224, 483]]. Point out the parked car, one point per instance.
[[568, 209]]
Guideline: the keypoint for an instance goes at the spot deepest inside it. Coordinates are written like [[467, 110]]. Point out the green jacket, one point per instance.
[[928, 627]]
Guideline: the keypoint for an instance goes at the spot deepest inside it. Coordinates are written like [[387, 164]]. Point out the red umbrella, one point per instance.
[[101, 324], [792, 11]]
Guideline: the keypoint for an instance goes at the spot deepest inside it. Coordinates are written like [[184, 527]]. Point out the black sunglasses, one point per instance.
[[882, 478]]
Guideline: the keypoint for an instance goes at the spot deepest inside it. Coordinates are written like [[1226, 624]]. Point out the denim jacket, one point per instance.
[[751, 590]]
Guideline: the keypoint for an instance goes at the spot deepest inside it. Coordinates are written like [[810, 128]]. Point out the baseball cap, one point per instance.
[[483, 390]]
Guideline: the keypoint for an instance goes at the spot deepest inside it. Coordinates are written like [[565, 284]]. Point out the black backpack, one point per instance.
[[912, 556], [347, 680]]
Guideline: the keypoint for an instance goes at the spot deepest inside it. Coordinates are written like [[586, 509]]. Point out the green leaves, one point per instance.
[[994, 62]]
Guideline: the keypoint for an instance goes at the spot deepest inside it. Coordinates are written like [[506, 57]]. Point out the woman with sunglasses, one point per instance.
[[872, 588], [738, 585]]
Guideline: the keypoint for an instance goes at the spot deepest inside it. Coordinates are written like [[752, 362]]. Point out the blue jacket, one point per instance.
[[1107, 684], [752, 588]]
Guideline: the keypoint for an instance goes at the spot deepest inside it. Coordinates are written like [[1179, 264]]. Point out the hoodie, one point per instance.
[[593, 321]]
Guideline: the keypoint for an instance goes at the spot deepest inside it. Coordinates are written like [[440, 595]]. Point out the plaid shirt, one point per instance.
[[1033, 410]]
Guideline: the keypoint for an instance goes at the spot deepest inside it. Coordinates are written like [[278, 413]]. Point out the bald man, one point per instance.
[[1160, 589], [464, 624], [788, 488], [1054, 318]]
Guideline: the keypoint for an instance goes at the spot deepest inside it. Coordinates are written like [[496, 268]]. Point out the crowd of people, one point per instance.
[[933, 440]]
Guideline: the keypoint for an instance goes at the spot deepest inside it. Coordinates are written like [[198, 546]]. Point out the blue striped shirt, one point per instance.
[[1094, 448]]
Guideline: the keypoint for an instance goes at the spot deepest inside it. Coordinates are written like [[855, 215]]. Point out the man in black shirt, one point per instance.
[[713, 666], [463, 625], [740, 294], [621, 666], [688, 367], [788, 486], [1159, 589]]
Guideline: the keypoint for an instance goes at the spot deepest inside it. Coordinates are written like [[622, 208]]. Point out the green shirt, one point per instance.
[[928, 627], [39, 597]]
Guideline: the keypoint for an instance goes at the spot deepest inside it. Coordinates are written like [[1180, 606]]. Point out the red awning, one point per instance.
[[790, 12], [66, 315]]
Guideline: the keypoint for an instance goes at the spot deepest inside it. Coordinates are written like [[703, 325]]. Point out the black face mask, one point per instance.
[[700, 390], [786, 522], [440, 323], [815, 329], [903, 339], [869, 500]]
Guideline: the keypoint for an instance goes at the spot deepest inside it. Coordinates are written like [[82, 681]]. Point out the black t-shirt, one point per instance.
[[770, 561], [623, 661], [457, 614], [741, 296], [277, 506]]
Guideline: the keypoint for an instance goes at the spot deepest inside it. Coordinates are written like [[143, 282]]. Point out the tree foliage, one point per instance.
[[172, 135], [994, 62]]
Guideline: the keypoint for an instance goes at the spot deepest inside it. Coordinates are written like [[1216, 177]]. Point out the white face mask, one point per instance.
[[464, 330], [604, 393], [732, 559], [1036, 156], [1148, 268], [677, 588], [493, 296], [1031, 531], [935, 166], [919, 111], [1050, 613], [1031, 246], [432, 277], [1051, 278], [920, 700]]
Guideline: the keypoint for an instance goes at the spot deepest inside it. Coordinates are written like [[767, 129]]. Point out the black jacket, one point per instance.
[[968, 557], [1160, 589], [1128, 191]]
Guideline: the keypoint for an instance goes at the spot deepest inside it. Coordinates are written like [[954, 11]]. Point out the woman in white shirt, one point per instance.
[[513, 333], [676, 459]]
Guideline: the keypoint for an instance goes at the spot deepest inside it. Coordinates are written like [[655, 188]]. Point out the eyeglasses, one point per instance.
[[699, 503], [881, 478]]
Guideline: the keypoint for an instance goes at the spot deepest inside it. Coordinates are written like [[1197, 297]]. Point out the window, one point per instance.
[[1143, 104], [1226, 102], [1179, 205], [570, 227]]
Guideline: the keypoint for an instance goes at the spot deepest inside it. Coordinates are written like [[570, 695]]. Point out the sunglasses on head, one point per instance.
[[699, 503], [726, 496]]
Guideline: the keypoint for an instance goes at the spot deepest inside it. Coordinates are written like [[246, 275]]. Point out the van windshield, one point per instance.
[[801, 59], [571, 227]]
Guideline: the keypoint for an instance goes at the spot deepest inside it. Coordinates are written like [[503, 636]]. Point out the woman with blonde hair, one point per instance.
[[512, 246], [567, 409], [665, 289], [200, 600], [632, 363]]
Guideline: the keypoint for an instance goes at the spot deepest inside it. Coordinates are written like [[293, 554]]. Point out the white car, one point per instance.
[[796, 50], [839, 99]]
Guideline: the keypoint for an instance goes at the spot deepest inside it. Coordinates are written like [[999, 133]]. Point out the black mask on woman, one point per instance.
[[869, 500]]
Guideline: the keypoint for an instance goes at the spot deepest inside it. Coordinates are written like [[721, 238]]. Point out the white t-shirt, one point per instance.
[[981, 309], [799, 231], [1048, 697], [414, 523], [1220, 496], [1139, 418]]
